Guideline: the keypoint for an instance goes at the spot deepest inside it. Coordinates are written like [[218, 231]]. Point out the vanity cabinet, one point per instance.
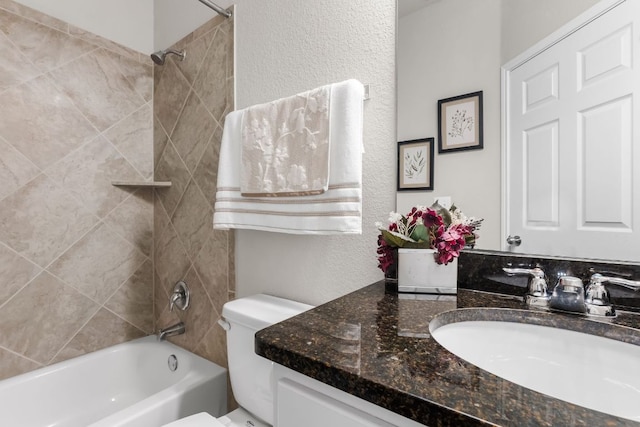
[[303, 401]]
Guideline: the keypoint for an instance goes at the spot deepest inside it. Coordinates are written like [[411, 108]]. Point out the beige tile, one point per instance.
[[213, 346], [134, 300], [103, 42], [227, 27], [199, 318], [88, 172], [12, 364], [171, 168], [169, 95], [193, 220], [42, 123], [210, 85], [212, 266], [33, 15], [15, 169], [196, 50], [192, 132], [160, 301], [160, 139], [45, 47], [160, 217], [133, 137], [140, 75], [14, 67], [42, 317], [105, 329], [171, 261], [41, 220], [15, 272], [97, 87], [133, 220], [212, 24], [206, 173], [98, 264]]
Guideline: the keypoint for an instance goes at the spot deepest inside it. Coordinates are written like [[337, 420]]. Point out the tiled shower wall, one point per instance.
[[75, 252], [191, 99]]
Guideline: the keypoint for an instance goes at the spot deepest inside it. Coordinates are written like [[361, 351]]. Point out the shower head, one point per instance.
[[159, 56]]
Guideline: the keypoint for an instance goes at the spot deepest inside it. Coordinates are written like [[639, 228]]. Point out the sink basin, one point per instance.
[[591, 371]]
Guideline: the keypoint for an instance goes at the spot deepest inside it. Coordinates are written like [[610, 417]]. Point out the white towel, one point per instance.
[[285, 146], [336, 211]]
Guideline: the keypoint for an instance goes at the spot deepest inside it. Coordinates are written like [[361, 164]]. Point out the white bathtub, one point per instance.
[[129, 385]]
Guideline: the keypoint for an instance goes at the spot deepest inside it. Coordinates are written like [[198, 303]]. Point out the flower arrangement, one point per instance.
[[447, 231]]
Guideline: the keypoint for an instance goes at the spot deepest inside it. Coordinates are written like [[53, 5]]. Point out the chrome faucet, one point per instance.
[[569, 294], [177, 329], [537, 293], [597, 296]]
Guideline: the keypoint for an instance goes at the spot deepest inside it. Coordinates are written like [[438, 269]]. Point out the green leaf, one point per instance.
[[444, 213], [393, 240], [420, 233]]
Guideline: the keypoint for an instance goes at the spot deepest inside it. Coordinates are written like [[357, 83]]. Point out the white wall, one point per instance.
[[287, 46], [525, 22], [127, 22], [447, 49], [174, 19]]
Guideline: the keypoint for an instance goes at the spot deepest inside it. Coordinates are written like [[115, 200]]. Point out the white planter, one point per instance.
[[418, 272]]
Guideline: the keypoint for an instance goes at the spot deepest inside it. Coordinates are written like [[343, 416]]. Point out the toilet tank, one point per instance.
[[250, 374]]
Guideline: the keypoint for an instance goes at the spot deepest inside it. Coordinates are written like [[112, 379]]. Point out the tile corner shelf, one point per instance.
[[154, 184]]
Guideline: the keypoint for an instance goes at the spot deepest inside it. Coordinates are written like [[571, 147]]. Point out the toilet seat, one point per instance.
[[236, 418]]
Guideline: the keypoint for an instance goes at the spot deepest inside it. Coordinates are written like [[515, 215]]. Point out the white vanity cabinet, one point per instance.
[[303, 401]]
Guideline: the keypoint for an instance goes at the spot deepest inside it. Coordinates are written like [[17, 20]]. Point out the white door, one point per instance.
[[572, 130]]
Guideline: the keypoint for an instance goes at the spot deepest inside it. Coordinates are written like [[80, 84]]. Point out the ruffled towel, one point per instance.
[[336, 211], [285, 146]]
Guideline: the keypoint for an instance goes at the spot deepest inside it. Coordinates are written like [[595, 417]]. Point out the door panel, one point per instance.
[[570, 144]]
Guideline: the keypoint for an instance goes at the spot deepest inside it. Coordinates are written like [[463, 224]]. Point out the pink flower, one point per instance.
[[431, 218], [386, 255]]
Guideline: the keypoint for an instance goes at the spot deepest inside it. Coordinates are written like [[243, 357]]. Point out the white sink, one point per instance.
[[594, 372]]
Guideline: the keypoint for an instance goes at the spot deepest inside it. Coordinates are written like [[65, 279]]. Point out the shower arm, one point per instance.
[[217, 8]]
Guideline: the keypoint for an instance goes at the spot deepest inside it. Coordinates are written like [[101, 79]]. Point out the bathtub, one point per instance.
[[129, 384]]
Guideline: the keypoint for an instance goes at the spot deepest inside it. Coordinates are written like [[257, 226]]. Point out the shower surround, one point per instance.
[[191, 99], [77, 254]]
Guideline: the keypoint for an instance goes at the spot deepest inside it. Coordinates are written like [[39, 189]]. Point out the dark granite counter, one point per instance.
[[376, 345]]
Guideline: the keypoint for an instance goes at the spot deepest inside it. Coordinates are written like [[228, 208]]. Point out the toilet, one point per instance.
[[250, 374]]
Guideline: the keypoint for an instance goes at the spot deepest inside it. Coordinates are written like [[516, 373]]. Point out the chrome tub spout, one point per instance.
[[177, 329]]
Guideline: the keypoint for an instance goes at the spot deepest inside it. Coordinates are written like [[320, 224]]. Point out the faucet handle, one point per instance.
[[537, 283], [537, 293], [597, 278], [180, 297], [597, 299]]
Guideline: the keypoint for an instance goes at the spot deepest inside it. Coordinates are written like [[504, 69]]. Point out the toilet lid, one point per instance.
[[198, 420]]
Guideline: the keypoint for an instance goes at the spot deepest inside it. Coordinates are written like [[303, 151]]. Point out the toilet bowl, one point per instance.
[[250, 374]]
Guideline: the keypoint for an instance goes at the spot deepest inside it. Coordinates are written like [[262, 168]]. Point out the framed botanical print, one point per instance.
[[460, 123], [415, 164]]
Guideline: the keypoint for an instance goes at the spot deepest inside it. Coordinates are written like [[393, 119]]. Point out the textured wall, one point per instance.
[[191, 99], [288, 46], [75, 252]]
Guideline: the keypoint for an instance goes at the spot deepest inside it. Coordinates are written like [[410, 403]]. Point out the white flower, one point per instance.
[[394, 217]]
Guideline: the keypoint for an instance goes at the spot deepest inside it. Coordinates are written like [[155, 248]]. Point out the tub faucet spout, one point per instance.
[[177, 329]]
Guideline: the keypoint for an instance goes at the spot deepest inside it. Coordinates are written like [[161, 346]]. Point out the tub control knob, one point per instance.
[[180, 296]]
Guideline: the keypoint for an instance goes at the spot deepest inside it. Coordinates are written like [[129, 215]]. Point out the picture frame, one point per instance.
[[460, 123], [415, 164]]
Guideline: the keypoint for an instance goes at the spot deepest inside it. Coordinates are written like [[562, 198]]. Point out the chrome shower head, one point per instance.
[[159, 56]]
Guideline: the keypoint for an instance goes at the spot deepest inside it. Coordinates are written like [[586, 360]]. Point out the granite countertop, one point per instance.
[[376, 345]]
